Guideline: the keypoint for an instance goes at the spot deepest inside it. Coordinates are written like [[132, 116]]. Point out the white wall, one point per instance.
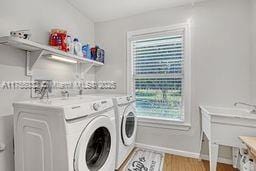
[[253, 62], [220, 54], [220, 60], [39, 16]]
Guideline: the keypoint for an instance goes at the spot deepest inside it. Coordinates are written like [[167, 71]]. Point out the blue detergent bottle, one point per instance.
[[86, 51]]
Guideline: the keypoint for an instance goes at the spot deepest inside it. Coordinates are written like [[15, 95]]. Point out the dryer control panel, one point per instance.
[[125, 100]]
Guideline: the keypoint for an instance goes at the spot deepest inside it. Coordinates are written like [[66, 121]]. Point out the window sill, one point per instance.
[[163, 123]]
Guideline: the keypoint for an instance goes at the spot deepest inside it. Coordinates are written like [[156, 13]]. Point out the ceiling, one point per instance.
[[103, 10]]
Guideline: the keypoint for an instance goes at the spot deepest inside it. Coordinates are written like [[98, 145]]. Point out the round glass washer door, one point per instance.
[[94, 146], [129, 126]]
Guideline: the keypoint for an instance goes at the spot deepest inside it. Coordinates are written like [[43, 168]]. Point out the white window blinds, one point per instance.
[[158, 75]]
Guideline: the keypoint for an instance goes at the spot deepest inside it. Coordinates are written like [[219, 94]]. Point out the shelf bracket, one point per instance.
[[86, 70], [32, 58]]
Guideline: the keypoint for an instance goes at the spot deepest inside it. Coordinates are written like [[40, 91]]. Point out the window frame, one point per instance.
[[161, 122]]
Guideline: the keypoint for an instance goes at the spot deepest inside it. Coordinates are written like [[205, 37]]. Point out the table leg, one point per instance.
[[201, 144], [213, 150]]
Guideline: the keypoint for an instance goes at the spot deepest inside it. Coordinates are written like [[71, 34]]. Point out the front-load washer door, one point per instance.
[[129, 126], [95, 145]]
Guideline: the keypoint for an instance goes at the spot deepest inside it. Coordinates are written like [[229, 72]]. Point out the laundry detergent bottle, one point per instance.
[[78, 48]]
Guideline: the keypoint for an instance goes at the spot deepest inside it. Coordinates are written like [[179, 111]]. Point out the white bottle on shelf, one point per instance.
[[70, 45], [78, 48]]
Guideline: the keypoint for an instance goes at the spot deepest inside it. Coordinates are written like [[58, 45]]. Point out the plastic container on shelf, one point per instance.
[[78, 48], [70, 45], [94, 53], [58, 39], [86, 51], [101, 56], [97, 54]]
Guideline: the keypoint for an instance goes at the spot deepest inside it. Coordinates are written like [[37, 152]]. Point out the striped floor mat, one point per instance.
[[145, 160]]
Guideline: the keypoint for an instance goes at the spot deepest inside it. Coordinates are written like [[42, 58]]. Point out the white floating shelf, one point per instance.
[[36, 51]]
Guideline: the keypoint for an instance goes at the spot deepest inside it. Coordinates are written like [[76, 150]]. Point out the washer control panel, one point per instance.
[[85, 109], [96, 106]]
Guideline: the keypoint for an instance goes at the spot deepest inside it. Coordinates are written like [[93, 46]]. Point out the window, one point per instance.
[[158, 60]]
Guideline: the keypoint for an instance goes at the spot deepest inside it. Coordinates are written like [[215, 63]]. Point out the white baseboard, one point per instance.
[[182, 153], [220, 159], [169, 150]]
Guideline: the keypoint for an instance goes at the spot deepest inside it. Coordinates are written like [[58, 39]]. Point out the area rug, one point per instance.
[[145, 160]]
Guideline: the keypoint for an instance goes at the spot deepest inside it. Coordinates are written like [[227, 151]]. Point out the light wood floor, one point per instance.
[[178, 163]]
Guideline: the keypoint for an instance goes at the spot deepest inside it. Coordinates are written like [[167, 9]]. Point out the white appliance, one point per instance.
[[78, 134], [126, 124], [6, 142]]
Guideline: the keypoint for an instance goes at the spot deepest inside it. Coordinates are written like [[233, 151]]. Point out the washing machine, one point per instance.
[[75, 134], [126, 125]]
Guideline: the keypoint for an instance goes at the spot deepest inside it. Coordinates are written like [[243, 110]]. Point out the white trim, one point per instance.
[[129, 67], [220, 159], [162, 123], [169, 150], [162, 29], [187, 74], [187, 65], [182, 153]]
